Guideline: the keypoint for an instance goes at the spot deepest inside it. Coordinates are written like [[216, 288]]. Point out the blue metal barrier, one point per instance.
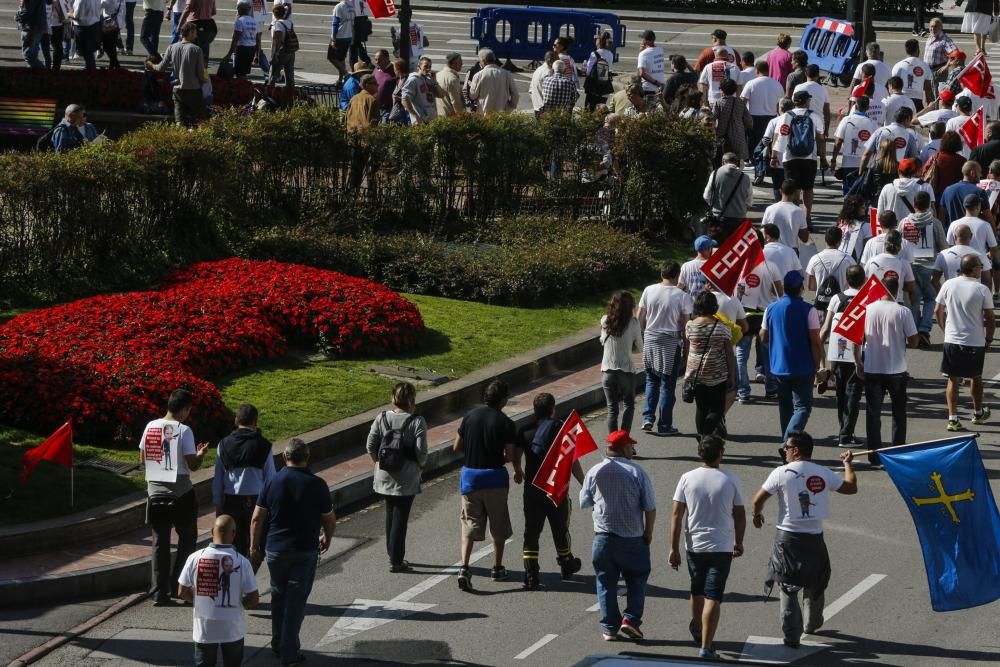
[[526, 33], [831, 44]]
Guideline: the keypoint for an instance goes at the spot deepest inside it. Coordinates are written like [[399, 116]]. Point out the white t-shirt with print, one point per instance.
[[854, 131], [887, 326], [691, 279], [651, 60], [785, 130], [949, 260], [756, 291], [178, 432], [908, 144], [983, 237], [965, 300], [772, 128], [762, 95], [938, 115], [246, 26], [665, 304], [803, 489], [790, 219], [219, 577], [890, 266], [713, 75], [954, 125], [882, 74], [894, 103], [344, 11], [710, 495], [914, 72], [876, 246], [827, 262]]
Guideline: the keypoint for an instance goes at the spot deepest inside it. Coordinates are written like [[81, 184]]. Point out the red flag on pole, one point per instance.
[[58, 448], [977, 77], [973, 130], [572, 443], [852, 323], [382, 8], [873, 221], [737, 256]]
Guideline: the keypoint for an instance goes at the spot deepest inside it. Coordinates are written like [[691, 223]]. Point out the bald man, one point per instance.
[[946, 264], [220, 583]]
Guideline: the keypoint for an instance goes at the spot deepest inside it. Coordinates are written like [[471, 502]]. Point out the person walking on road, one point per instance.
[[937, 49], [691, 279], [709, 502], [947, 264], [881, 365], [621, 336], [788, 216], [493, 87], [664, 310], [219, 619], [172, 505], [486, 438], [762, 95], [711, 365], [800, 140], [800, 561], [624, 503], [293, 507], [243, 466], [650, 65], [779, 60], [397, 445], [849, 387], [965, 314], [729, 193], [791, 331], [189, 65], [534, 440]]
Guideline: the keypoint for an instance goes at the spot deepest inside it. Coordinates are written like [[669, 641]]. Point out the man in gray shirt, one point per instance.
[[188, 62]]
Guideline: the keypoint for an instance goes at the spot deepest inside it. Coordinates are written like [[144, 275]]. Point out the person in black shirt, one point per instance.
[[990, 151], [682, 75], [486, 438], [534, 440]]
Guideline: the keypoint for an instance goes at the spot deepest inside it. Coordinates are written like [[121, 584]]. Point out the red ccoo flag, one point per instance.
[[573, 442], [382, 8], [852, 323], [737, 256], [973, 131], [873, 225], [58, 448], [977, 77]]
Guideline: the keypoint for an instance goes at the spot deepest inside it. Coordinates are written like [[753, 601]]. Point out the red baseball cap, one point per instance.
[[908, 167], [947, 95], [957, 53], [618, 439]]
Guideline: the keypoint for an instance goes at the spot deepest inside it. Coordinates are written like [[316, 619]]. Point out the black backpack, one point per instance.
[[829, 287], [598, 82], [545, 434], [397, 445]]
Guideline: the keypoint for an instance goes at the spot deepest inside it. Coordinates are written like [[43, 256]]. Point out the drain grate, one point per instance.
[[109, 465]]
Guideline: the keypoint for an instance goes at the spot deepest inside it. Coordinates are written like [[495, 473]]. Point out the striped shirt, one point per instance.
[[707, 346], [618, 349]]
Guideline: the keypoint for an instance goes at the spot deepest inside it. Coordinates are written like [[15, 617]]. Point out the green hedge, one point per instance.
[[114, 216], [525, 261]]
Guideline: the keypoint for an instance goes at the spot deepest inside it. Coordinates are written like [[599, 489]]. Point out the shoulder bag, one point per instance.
[[687, 389]]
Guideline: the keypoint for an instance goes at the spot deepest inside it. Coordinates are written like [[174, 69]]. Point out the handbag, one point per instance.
[[995, 30], [109, 25], [687, 389]]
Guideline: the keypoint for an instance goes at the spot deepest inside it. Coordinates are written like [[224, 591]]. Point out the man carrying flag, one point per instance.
[[976, 76], [536, 440], [624, 503]]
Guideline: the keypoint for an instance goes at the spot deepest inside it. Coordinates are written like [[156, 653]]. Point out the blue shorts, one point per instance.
[[709, 572]]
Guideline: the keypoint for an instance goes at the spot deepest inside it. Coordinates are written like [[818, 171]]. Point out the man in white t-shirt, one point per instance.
[[964, 107], [882, 71], [965, 314], [819, 101], [875, 245], [801, 561], [709, 502], [896, 100], [948, 262], [650, 64], [889, 330], [830, 262], [983, 237], [220, 584], [852, 134], [664, 310], [889, 264], [779, 254], [713, 74], [756, 291], [916, 75], [691, 279], [761, 94], [944, 112], [849, 388], [908, 143], [775, 169], [171, 505], [798, 154], [788, 216]]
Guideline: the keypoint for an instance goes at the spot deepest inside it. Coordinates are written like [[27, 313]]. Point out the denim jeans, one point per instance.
[[265, 67], [661, 395], [619, 387], [795, 400], [924, 317], [876, 385], [292, 574], [206, 655], [620, 557], [175, 36], [31, 44], [742, 373]]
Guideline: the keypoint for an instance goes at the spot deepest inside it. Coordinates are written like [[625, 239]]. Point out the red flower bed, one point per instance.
[[109, 362]]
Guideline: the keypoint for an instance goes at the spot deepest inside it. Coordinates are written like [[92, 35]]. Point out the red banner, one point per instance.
[[382, 8], [573, 442], [737, 256], [873, 221], [973, 131], [977, 77], [852, 323], [57, 448]]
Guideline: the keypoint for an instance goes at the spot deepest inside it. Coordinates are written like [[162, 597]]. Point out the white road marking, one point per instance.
[[850, 596], [446, 572], [534, 647]]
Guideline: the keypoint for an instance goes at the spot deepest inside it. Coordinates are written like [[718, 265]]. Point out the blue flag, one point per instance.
[[945, 486]]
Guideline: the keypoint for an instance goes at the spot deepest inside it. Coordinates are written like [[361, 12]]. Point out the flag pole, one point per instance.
[[72, 473], [915, 444]]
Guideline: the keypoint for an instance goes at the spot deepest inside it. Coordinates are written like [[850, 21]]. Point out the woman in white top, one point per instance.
[[282, 59], [621, 337], [597, 90]]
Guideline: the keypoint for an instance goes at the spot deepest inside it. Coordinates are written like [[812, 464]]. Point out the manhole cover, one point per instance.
[[109, 465]]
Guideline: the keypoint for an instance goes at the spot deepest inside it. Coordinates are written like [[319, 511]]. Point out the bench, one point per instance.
[[26, 117]]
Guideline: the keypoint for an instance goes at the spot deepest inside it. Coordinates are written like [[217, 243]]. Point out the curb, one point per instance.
[[134, 575], [129, 512]]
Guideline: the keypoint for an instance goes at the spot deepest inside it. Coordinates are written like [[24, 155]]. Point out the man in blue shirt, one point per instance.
[[953, 197], [791, 331], [243, 466], [73, 131], [621, 494], [294, 505], [352, 84]]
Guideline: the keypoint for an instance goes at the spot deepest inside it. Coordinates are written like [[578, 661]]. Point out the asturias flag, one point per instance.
[[58, 448], [945, 486], [573, 442]]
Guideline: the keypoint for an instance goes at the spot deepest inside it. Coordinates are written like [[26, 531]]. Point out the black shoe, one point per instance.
[[163, 601], [791, 643], [296, 661], [569, 566], [531, 582], [400, 567], [499, 573], [874, 460]]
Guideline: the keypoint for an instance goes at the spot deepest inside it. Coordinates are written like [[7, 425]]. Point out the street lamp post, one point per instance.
[[405, 14]]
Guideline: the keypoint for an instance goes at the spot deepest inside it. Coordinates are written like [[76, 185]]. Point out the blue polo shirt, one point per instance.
[[788, 342], [295, 499], [953, 200]]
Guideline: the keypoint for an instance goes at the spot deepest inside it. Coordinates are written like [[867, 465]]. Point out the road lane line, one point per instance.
[[534, 647], [850, 596], [446, 573]]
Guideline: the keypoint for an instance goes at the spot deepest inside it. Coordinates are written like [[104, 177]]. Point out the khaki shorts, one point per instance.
[[480, 506]]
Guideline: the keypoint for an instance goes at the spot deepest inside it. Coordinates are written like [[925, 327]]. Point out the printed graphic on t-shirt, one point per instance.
[[161, 446], [218, 586], [839, 348]]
